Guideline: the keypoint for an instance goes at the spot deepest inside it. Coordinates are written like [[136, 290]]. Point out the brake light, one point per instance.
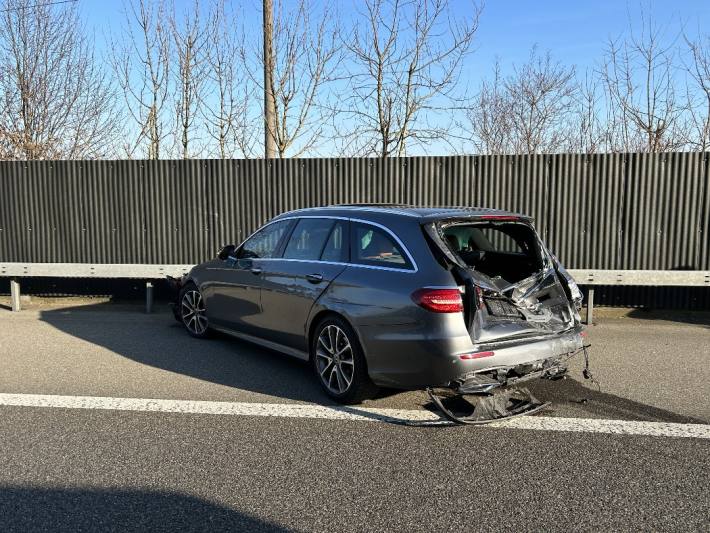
[[477, 355], [500, 217], [439, 300]]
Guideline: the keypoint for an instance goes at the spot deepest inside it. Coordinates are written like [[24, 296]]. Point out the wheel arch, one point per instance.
[[318, 317]]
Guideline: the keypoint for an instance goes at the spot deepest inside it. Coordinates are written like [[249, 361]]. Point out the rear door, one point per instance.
[[315, 254]]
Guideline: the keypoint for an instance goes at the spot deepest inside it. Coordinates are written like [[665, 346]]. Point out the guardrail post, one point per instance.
[[590, 306], [148, 297], [15, 294]]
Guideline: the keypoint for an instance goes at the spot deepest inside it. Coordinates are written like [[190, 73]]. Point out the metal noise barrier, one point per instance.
[[599, 211]]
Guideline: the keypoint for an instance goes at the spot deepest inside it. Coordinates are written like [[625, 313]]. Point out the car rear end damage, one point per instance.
[[521, 310]]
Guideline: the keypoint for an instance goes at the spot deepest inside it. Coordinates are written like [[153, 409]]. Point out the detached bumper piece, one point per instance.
[[502, 404]]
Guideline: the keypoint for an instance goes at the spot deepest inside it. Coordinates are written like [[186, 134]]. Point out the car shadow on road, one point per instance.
[[696, 318], [595, 403], [160, 342], [38, 509]]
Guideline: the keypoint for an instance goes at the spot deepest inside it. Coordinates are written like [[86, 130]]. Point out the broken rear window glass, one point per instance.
[[506, 250]]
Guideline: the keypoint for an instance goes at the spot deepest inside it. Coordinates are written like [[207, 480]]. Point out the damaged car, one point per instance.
[[457, 301]]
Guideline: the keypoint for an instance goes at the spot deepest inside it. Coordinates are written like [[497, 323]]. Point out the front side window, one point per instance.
[[374, 246], [308, 239], [265, 242]]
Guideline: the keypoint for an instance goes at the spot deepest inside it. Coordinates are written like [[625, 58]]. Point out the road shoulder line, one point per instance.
[[348, 413]]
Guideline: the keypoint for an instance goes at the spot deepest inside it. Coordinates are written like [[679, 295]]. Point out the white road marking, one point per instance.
[[280, 410]]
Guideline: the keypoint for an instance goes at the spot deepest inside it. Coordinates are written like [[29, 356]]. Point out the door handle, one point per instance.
[[256, 271], [314, 278]]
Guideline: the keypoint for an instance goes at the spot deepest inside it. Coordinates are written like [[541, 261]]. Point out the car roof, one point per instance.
[[424, 214]]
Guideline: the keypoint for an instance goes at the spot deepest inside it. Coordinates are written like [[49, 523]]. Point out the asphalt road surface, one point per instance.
[[114, 420]]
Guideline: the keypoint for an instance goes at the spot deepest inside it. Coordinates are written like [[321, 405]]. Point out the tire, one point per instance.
[[192, 312], [340, 370]]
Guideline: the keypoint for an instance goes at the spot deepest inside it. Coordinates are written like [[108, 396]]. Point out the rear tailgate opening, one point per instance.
[[513, 289]]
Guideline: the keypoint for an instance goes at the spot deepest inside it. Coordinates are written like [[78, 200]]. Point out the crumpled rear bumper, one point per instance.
[[514, 363], [519, 351]]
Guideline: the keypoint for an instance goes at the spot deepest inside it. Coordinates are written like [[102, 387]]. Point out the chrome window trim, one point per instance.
[[412, 270]]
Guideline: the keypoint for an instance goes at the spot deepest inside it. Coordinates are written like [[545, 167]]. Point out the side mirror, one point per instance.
[[226, 252]]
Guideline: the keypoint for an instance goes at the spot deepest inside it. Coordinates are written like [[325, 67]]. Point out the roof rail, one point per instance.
[[371, 204]]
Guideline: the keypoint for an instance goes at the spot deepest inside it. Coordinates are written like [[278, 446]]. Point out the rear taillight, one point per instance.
[[439, 300], [477, 355]]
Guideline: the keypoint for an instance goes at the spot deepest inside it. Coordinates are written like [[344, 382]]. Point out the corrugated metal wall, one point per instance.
[[631, 211]]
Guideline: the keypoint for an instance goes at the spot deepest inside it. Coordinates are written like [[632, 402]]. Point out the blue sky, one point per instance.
[[575, 31]]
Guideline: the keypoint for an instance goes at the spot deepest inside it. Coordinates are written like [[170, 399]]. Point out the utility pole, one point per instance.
[[269, 111]]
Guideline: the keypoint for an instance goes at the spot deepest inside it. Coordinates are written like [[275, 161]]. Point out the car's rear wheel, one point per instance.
[[193, 312], [339, 362]]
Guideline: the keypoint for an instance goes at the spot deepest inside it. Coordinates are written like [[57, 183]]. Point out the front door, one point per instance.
[[233, 298]]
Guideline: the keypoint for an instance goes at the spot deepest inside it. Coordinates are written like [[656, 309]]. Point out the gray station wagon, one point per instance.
[[394, 296]]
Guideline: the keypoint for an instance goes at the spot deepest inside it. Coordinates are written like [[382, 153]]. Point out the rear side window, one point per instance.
[[264, 243], [308, 239], [374, 246]]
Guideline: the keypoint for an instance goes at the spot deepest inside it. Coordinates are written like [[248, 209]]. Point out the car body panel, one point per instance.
[[232, 293], [287, 296]]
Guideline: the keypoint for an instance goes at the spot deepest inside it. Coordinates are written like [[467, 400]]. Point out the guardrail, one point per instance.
[[652, 278], [16, 271], [589, 278]]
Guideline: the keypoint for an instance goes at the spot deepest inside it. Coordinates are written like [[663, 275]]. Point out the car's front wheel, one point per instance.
[[193, 312], [339, 362]]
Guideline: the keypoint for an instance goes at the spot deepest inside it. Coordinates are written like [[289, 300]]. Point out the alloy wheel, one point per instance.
[[193, 312], [334, 359]]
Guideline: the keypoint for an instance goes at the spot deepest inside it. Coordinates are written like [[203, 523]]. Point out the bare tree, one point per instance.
[[228, 118], [541, 94], [407, 58], [56, 101], [589, 124], [306, 56], [698, 69], [527, 112], [141, 61], [638, 75], [190, 45], [489, 117]]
